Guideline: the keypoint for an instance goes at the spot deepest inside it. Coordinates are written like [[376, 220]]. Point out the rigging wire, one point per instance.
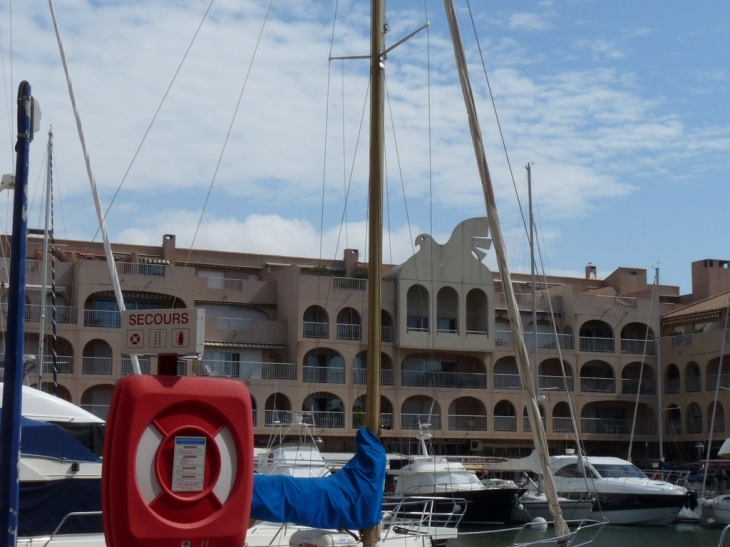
[[225, 144], [154, 117]]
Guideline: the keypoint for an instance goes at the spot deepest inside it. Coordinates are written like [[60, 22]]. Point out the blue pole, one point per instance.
[[13, 379]]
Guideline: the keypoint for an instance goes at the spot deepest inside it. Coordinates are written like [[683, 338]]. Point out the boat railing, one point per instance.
[[71, 516], [584, 533], [725, 532], [433, 516]]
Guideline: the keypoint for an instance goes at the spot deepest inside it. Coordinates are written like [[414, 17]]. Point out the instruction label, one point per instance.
[[188, 469]]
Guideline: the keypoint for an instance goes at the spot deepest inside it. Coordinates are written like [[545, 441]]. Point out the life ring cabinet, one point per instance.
[[178, 462]]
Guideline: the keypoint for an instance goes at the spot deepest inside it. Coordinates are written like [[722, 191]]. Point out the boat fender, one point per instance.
[[539, 524]]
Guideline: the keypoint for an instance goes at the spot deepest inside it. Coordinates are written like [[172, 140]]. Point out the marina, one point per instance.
[[362, 354]]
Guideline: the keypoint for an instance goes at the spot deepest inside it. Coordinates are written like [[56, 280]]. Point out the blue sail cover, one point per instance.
[[352, 498], [48, 440]]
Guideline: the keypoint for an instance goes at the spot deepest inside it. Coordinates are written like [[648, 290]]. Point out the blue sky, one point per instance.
[[622, 107]]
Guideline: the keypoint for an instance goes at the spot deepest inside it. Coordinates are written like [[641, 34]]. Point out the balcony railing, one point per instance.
[[64, 364], [443, 379], [596, 345], [349, 331], [326, 419], [546, 340], [692, 383], [387, 334], [32, 313], [324, 375], [135, 268], [637, 347], [555, 382], [350, 283], [96, 365], [681, 340], [277, 417], [230, 284], [507, 381], [315, 330], [505, 423], [360, 376], [411, 421], [694, 425], [712, 381], [144, 365], [234, 323], [673, 427], [386, 420], [105, 319], [526, 423], [417, 323], [671, 385], [465, 422], [644, 387], [598, 385], [719, 426], [617, 426], [562, 425], [248, 370], [224, 369]]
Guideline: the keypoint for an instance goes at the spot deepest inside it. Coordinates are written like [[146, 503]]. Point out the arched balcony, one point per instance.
[[638, 339], [417, 301], [477, 316], [692, 377], [359, 408], [505, 417], [467, 414], [638, 378], [420, 409], [447, 311], [359, 369], [315, 323], [596, 336], [325, 409], [97, 358], [324, 366], [349, 326], [672, 380], [277, 410], [597, 377]]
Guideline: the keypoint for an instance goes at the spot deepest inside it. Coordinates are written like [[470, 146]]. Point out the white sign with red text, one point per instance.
[[152, 332]]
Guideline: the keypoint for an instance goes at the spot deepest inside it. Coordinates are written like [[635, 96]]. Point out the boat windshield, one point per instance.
[[622, 470]]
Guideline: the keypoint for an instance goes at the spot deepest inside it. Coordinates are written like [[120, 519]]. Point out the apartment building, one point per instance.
[[294, 330]]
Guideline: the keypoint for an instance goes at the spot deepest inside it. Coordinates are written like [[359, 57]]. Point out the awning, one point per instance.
[[240, 304], [248, 345], [691, 318]]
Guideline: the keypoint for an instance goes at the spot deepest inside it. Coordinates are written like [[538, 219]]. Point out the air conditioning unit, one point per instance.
[[476, 446]]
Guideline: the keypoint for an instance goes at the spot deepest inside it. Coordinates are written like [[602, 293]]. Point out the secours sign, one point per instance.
[[152, 332]]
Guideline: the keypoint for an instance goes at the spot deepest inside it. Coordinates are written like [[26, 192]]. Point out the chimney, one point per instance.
[[168, 248], [351, 256], [590, 271]]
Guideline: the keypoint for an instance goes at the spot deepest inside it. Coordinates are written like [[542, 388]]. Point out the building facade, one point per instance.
[[637, 362]]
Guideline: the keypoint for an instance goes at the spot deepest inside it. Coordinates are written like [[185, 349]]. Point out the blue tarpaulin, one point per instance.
[[49, 440], [352, 498]]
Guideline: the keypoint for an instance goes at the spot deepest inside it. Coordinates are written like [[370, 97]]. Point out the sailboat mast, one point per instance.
[[521, 354], [534, 286], [44, 263], [660, 373], [375, 227]]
